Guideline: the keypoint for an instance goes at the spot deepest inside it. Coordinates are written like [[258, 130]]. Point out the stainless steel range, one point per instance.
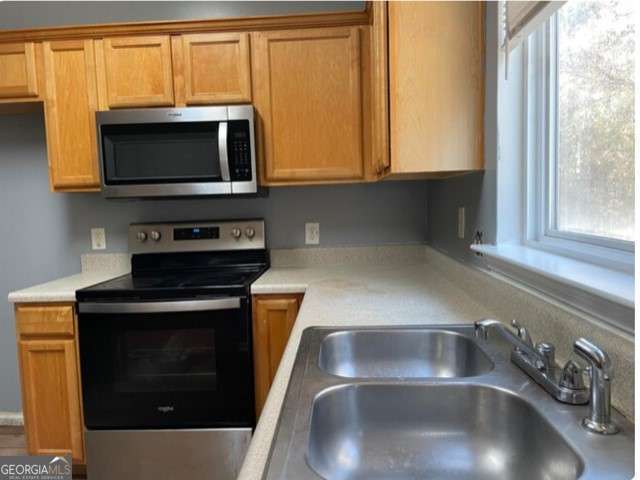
[[166, 354]]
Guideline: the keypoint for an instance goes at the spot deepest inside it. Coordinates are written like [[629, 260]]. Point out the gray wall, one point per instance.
[[42, 234], [43, 14], [476, 192]]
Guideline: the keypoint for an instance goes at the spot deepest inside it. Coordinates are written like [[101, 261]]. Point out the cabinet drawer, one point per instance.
[[47, 320]]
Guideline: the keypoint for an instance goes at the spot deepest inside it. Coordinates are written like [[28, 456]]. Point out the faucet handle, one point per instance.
[[522, 332], [548, 353], [599, 419], [572, 376]]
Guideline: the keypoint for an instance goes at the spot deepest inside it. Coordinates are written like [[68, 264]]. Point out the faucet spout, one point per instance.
[[521, 341], [482, 327]]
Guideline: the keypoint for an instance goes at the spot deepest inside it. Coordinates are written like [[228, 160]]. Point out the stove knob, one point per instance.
[[236, 233], [141, 236], [250, 232], [155, 236]]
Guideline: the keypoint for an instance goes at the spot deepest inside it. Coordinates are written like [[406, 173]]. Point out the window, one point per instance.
[[580, 130]]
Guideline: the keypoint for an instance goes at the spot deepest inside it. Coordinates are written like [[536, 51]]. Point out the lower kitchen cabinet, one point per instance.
[[273, 319], [50, 377]]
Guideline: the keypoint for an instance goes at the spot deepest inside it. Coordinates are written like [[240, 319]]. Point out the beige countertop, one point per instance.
[[62, 289], [348, 296], [96, 268]]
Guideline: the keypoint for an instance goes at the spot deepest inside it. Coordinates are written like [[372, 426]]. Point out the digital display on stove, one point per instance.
[[196, 233]]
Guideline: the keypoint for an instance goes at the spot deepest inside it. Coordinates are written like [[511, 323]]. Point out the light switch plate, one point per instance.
[[461, 222], [98, 239], [312, 233]]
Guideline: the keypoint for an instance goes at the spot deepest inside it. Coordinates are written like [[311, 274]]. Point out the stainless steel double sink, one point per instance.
[[430, 403]]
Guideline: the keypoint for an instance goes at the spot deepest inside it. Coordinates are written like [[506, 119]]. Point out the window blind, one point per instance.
[[523, 17], [519, 19]]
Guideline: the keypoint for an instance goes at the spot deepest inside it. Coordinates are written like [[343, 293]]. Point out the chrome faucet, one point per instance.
[[601, 372], [564, 384]]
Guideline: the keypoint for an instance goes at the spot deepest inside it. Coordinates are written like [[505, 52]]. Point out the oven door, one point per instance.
[[177, 364], [164, 152]]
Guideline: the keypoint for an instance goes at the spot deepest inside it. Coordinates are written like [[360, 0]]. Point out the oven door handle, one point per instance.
[[222, 152], [231, 303]]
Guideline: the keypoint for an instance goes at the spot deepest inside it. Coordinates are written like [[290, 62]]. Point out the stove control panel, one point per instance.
[[196, 236]]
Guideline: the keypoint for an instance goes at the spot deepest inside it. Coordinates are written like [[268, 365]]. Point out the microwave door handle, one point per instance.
[[223, 152]]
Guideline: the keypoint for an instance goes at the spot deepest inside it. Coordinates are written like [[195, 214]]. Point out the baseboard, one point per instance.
[[11, 418]]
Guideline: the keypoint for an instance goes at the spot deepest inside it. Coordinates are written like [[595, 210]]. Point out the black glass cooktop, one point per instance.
[[167, 286], [177, 276]]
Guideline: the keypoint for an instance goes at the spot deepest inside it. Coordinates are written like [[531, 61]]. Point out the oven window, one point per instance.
[[167, 370], [161, 153], [179, 360]]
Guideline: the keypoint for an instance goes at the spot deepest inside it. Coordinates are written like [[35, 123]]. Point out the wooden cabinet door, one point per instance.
[[216, 68], [436, 68], [50, 381], [136, 71], [18, 75], [70, 105], [273, 319], [308, 95]]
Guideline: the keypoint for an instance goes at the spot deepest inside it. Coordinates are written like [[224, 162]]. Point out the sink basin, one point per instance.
[[385, 404], [453, 432], [406, 353]]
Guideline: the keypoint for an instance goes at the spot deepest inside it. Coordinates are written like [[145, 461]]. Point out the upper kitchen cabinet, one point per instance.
[[212, 68], [70, 104], [333, 103], [436, 90], [18, 71], [135, 72], [308, 93]]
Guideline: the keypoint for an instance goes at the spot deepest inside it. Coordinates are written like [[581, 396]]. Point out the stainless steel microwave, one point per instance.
[[168, 152]]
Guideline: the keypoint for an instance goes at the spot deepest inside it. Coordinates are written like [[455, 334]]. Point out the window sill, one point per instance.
[[599, 291]]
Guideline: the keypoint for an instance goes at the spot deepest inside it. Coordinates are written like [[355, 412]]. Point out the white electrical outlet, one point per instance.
[[98, 239], [461, 222], [312, 233]]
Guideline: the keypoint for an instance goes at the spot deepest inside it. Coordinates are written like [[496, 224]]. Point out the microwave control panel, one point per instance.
[[239, 148]]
